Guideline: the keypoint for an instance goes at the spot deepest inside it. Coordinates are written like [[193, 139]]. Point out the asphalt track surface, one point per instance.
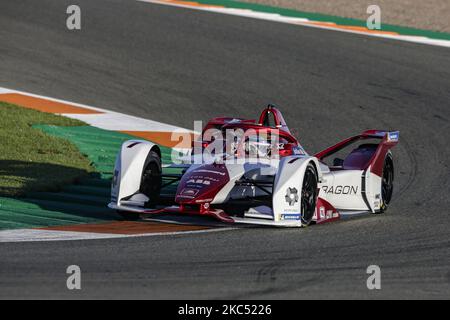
[[178, 65]]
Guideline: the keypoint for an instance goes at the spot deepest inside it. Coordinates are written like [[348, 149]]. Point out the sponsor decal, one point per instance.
[[290, 216], [298, 151], [291, 196], [322, 212], [393, 136], [376, 204], [209, 171], [199, 181], [188, 193], [329, 214], [345, 190]]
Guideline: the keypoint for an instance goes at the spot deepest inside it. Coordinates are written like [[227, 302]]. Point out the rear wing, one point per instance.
[[389, 140], [390, 137], [373, 158]]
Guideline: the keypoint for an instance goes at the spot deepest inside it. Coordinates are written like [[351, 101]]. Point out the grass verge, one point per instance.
[[31, 160]]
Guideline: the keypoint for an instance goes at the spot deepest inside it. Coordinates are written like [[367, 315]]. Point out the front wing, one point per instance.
[[324, 213]]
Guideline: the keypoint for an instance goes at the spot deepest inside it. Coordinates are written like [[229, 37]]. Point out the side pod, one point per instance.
[[365, 163]]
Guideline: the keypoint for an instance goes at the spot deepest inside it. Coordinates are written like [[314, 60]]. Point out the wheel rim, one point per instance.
[[387, 185], [309, 190]]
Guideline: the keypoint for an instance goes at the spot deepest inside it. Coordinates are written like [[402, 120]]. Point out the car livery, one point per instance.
[[271, 181]]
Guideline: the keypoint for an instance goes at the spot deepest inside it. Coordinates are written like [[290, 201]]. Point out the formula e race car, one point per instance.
[[261, 175]]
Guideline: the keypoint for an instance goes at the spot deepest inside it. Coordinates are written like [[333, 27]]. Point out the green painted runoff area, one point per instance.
[[83, 202]]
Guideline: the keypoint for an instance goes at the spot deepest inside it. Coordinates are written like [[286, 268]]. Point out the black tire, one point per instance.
[[128, 216], [151, 178], [309, 195], [387, 183]]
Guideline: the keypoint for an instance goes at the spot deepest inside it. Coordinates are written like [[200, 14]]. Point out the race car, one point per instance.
[[262, 176]]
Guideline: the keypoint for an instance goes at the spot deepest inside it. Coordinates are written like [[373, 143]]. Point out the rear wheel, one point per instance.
[[387, 183], [309, 195]]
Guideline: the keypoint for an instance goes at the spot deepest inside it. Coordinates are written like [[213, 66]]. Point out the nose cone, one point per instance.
[[202, 183]]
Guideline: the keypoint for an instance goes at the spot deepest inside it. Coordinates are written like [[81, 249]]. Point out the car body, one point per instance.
[[265, 177]]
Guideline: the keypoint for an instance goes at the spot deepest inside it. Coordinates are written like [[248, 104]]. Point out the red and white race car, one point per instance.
[[262, 175]]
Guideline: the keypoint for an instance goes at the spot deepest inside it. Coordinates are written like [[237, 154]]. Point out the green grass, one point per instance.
[[31, 160]]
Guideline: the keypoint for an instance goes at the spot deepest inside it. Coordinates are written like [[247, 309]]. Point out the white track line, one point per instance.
[[301, 21], [108, 120], [38, 235], [122, 122]]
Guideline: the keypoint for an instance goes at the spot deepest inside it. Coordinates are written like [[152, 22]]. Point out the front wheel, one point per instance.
[[309, 195], [152, 178]]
